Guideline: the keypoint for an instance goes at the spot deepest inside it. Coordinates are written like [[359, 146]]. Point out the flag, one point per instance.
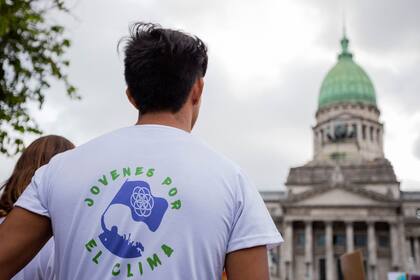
[[144, 207]]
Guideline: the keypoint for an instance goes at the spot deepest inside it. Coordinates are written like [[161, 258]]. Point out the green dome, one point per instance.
[[346, 82]]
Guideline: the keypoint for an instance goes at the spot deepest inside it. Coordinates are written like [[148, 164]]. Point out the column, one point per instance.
[[374, 139], [349, 237], [403, 246], [308, 249], [395, 250], [329, 250], [278, 264], [409, 244], [372, 251], [359, 133], [381, 137], [283, 249], [417, 252], [320, 135], [288, 256]]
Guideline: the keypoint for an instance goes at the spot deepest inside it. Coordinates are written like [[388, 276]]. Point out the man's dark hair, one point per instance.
[[161, 66]]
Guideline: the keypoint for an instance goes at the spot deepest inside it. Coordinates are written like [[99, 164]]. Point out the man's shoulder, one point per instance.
[[190, 146], [84, 148]]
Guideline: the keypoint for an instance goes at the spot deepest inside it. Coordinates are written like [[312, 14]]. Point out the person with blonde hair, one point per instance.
[[37, 154]]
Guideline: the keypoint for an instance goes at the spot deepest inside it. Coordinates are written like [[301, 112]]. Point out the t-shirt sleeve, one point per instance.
[[253, 225], [35, 196]]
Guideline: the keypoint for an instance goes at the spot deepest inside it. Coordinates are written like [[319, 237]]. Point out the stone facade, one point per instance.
[[346, 198], [321, 224]]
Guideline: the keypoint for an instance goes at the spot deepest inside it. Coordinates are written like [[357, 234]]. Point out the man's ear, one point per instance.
[[131, 98], [197, 90]]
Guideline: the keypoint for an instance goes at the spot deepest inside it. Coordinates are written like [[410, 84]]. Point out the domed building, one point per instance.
[[347, 197], [348, 127]]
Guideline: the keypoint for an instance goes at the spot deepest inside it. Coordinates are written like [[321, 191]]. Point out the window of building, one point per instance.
[[339, 271], [274, 256], [360, 240], [339, 239], [383, 241], [371, 133], [320, 240], [412, 249], [300, 239], [322, 275], [329, 131]]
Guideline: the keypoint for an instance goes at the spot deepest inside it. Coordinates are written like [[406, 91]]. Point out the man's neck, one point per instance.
[[179, 121]]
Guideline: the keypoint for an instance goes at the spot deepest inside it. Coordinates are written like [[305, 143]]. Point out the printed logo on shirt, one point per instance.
[[144, 207], [130, 215]]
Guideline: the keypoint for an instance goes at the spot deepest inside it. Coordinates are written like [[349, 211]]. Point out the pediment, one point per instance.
[[338, 197]]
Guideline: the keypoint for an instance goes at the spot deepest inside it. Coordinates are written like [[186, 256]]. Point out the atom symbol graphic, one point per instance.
[[142, 201]]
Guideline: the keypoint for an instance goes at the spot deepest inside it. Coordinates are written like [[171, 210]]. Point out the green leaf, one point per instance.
[[32, 52]]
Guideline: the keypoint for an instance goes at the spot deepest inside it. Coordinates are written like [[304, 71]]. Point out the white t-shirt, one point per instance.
[[41, 267], [149, 202]]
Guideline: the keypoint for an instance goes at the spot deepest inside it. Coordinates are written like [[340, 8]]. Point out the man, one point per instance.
[[149, 201]]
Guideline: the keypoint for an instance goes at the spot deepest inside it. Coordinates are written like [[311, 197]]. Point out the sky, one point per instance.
[[267, 60]]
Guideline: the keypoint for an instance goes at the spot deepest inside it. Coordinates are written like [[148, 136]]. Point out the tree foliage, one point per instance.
[[31, 55]]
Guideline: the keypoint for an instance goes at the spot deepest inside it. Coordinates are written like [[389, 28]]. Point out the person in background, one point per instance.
[[37, 154]]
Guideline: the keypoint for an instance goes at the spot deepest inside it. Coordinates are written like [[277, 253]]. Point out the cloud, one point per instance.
[[380, 26], [384, 39], [416, 148], [267, 62]]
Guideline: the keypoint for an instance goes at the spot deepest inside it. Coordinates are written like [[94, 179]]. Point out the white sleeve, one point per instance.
[[35, 196], [253, 225], [35, 199]]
